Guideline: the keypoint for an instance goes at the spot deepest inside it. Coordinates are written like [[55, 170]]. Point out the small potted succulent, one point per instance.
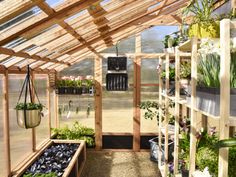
[[28, 114]]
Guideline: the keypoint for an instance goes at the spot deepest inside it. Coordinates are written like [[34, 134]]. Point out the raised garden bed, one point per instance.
[[63, 158]]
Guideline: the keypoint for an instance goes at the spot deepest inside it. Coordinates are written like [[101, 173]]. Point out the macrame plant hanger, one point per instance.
[[28, 84]]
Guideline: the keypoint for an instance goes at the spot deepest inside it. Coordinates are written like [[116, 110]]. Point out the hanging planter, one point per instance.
[[28, 113]]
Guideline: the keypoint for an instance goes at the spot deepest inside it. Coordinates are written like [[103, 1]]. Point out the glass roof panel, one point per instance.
[[54, 3], [20, 18]]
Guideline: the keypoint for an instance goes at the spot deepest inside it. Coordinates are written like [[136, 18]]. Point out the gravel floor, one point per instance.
[[119, 164]]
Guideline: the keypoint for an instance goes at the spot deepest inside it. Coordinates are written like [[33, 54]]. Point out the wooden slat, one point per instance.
[[129, 23], [160, 111], [49, 91], [224, 94], [98, 102], [166, 120], [177, 111], [6, 131], [26, 55], [33, 133], [137, 95], [193, 130], [17, 10], [50, 20]]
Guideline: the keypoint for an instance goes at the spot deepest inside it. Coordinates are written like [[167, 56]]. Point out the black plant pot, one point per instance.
[[60, 90], [78, 90], [185, 173]]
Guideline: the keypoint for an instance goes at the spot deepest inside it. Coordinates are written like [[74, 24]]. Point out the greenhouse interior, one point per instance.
[[118, 88]]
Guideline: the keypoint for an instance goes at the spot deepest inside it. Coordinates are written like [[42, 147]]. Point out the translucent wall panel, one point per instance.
[[77, 107], [149, 75], [118, 106], [2, 160], [20, 139], [42, 131], [153, 37]]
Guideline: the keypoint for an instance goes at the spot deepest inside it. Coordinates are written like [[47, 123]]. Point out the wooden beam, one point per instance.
[[166, 119], [6, 128], [193, 131], [44, 23], [177, 18], [49, 11], [10, 52], [159, 71], [33, 133], [98, 102], [177, 111], [224, 94], [19, 10], [137, 95]]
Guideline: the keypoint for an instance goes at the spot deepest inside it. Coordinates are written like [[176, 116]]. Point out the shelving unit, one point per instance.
[[188, 50]]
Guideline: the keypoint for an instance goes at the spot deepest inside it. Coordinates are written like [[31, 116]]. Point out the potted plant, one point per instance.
[[171, 41], [28, 114], [76, 132], [208, 86], [185, 76], [203, 25]]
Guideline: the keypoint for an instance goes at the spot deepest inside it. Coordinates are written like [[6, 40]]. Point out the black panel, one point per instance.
[[116, 63], [144, 142], [116, 82], [117, 142]]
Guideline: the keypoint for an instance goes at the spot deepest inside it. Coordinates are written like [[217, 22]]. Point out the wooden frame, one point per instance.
[[73, 163]]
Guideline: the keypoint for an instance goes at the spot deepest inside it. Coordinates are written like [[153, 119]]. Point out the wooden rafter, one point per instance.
[[44, 23], [26, 55], [50, 12], [132, 22]]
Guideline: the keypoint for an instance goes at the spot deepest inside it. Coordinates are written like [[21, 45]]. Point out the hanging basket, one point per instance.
[[28, 113], [28, 118]]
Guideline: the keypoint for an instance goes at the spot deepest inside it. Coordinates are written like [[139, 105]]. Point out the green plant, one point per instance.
[[209, 70], [185, 70], [76, 132], [200, 10], [52, 174], [165, 41], [29, 106], [171, 74], [171, 40], [152, 111]]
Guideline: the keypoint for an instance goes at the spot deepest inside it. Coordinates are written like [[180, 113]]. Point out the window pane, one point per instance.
[[20, 138], [149, 93], [77, 107], [117, 107], [42, 131]]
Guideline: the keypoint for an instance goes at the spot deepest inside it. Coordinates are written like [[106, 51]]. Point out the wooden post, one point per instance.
[[55, 100], [6, 133], [177, 97], [33, 99], [166, 115], [160, 112], [137, 95], [224, 94], [98, 102], [49, 90], [193, 139]]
